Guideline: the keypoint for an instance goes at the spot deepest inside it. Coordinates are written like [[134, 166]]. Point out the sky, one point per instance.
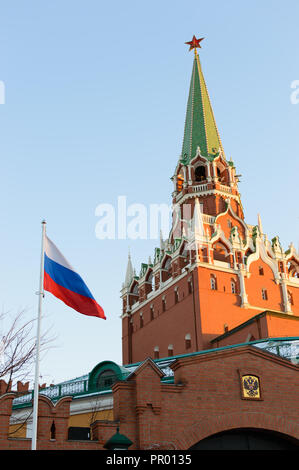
[[95, 102]]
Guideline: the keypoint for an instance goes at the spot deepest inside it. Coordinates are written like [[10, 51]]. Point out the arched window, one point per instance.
[[166, 269], [53, 431], [167, 264], [135, 290], [264, 294], [233, 286], [290, 298], [261, 270], [152, 312], [150, 279], [176, 295], [106, 379], [180, 181], [188, 341], [156, 352], [170, 350], [200, 173], [213, 282]]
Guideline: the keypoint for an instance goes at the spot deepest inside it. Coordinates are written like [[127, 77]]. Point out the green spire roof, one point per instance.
[[200, 125]]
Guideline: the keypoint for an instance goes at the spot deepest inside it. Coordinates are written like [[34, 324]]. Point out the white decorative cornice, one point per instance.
[[220, 236], [261, 252], [233, 214], [209, 192], [291, 253]]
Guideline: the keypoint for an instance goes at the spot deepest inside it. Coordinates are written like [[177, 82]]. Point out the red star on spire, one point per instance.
[[194, 43]]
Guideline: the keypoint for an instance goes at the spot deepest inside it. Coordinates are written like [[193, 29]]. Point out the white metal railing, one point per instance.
[[56, 391], [226, 189], [223, 264], [200, 188], [208, 219]]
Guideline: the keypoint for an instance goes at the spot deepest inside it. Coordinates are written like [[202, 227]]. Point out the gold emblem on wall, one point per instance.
[[250, 387]]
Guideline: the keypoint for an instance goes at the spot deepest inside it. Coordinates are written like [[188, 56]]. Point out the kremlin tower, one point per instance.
[[216, 280]]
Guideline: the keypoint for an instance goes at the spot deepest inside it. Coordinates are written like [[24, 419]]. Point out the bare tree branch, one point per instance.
[[18, 347]]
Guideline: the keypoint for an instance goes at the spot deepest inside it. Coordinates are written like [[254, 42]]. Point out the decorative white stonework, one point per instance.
[[244, 299]]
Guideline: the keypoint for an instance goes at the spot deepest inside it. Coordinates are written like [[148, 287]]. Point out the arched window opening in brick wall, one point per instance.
[[53, 431]]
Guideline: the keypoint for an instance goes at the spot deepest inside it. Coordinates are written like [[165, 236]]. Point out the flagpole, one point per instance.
[[40, 301]]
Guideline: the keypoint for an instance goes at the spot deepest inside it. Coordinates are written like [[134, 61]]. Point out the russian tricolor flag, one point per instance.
[[62, 281]]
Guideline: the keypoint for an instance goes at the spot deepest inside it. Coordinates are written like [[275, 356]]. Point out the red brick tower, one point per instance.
[[216, 280]]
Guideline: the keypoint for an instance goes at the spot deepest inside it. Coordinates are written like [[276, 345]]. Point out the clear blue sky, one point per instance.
[[96, 95]]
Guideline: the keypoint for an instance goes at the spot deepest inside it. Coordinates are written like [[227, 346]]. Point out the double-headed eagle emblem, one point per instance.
[[250, 386]]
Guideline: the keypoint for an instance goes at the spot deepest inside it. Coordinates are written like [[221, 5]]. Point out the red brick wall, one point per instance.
[[168, 327], [47, 414], [206, 399]]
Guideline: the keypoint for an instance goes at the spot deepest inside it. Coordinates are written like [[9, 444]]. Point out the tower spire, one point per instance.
[[200, 125], [260, 224], [129, 272]]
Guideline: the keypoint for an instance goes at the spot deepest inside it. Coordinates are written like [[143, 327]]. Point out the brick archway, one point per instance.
[[209, 426]]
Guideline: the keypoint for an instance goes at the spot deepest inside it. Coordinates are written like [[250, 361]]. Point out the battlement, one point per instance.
[[53, 424]]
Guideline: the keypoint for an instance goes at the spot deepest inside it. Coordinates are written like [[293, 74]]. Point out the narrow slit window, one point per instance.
[[152, 312]]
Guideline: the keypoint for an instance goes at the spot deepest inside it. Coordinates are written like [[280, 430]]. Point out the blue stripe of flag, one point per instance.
[[66, 278]]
